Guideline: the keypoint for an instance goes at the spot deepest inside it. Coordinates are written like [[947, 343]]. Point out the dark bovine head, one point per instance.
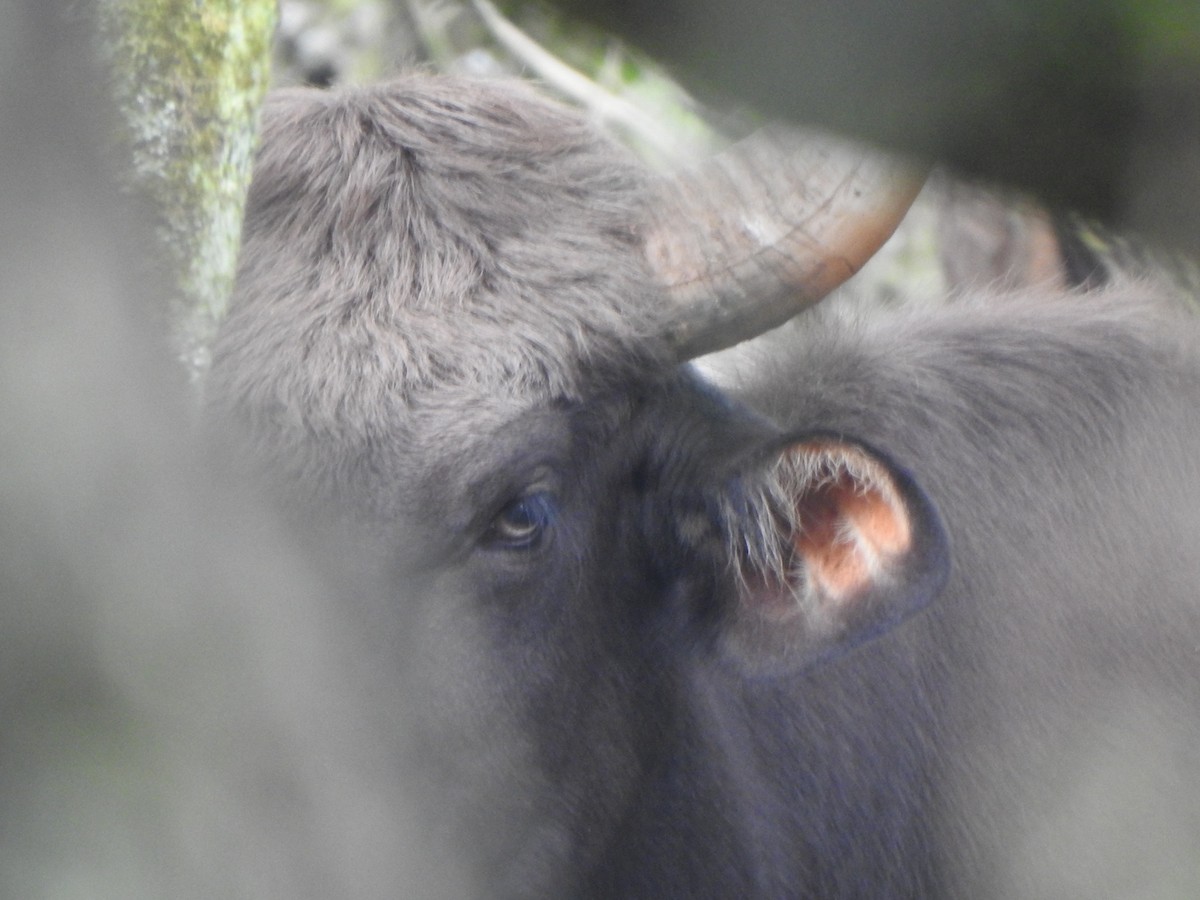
[[445, 329]]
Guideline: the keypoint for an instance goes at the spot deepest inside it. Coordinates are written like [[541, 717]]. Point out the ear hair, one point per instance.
[[829, 545], [828, 518]]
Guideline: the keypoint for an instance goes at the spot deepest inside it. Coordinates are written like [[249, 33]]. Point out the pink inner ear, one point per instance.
[[831, 547], [852, 523]]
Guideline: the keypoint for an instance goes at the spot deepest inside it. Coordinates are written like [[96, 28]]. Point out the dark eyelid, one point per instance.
[[522, 523]]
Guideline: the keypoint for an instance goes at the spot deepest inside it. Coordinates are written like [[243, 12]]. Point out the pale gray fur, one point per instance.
[[428, 241]]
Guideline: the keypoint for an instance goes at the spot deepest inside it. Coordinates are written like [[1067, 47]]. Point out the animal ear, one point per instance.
[[832, 545]]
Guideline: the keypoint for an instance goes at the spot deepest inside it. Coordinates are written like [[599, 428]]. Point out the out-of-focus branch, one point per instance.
[[611, 110]]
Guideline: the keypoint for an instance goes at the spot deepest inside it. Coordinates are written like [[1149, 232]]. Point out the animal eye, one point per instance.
[[521, 524]]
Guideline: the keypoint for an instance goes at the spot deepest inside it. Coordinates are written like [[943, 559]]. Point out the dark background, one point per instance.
[[1091, 105]]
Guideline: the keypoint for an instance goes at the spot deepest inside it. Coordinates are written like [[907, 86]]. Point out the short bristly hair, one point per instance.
[[422, 239]]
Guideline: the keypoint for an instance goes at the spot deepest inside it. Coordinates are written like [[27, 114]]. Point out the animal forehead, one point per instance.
[[422, 140], [471, 433], [485, 438], [437, 230]]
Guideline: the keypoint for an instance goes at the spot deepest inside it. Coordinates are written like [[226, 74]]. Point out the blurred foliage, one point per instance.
[[1089, 104], [626, 92], [320, 42]]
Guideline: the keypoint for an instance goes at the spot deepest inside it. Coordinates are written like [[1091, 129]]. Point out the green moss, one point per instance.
[[189, 76]]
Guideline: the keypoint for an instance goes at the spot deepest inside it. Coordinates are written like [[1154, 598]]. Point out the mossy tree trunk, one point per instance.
[[189, 76]]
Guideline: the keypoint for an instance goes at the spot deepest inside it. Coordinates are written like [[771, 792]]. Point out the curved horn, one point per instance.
[[767, 228]]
